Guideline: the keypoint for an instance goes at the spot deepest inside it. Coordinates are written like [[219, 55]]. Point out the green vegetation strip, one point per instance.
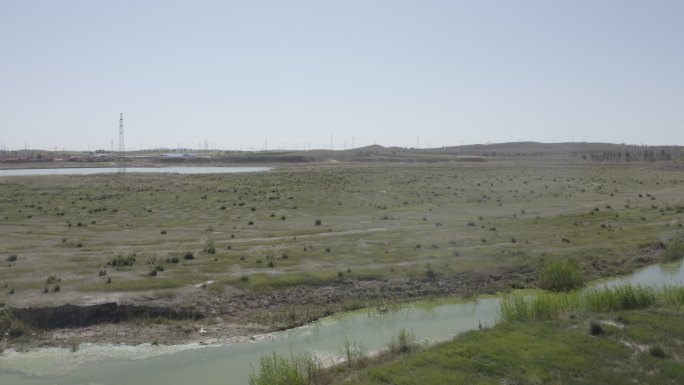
[[610, 335], [644, 350], [547, 306]]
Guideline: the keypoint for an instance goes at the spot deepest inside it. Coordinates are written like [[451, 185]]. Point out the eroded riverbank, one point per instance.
[[200, 315], [230, 360]]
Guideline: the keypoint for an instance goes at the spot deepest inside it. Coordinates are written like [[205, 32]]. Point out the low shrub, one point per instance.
[[657, 351]]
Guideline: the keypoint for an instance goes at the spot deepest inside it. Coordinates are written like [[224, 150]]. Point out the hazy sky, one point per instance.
[[293, 72]]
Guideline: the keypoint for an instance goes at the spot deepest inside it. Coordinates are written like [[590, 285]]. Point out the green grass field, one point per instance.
[[639, 346], [314, 224]]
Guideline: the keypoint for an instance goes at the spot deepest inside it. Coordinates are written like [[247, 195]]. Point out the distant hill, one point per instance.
[[574, 151]]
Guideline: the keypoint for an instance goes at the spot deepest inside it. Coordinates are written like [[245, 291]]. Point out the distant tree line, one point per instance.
[[647, 155]]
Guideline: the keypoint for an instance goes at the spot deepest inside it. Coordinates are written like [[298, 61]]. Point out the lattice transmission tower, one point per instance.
[[122, 148]]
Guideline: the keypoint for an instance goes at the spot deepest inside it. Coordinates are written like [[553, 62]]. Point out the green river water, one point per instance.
[[231, 362]]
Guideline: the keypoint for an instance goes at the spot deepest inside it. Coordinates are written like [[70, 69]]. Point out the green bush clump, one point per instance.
[[12, 258], [189, 255], [561, 275]]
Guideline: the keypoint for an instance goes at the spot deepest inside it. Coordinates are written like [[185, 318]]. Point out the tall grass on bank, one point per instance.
[[278, 370], [673, 251], [561, 275], [403, 342], [304, 369], [11, 326], [546, 306]]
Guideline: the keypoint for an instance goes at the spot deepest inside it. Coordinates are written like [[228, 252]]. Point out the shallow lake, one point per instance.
[[114, 170], [231, 362]]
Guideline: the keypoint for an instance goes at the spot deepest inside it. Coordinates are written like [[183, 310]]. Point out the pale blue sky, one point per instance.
[[385, 72]]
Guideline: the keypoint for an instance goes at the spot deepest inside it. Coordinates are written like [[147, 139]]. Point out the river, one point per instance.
[[114, 170], [229, 363]]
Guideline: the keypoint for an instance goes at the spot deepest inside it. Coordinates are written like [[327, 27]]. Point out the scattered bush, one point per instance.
[[657, 351], [121, 261], [12, 258], [318, 222], [189, 255], [52, 279]]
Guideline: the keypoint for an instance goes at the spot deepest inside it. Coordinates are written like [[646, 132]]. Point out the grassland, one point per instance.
[[356, 232], [635, 346]]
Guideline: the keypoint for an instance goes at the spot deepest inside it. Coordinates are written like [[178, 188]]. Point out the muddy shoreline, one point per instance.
[[232, 314]]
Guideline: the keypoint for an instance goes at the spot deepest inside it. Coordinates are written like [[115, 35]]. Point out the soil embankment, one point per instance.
[[73, 316]]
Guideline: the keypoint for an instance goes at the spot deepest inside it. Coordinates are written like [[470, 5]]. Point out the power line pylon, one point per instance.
[[122, 149]]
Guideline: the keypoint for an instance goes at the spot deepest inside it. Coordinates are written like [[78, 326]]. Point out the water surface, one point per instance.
[[114, 170]]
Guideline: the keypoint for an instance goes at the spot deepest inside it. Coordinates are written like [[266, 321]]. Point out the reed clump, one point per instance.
[[547, 306], [561, 275], [403, 342], [295, 370], [673, 251]]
